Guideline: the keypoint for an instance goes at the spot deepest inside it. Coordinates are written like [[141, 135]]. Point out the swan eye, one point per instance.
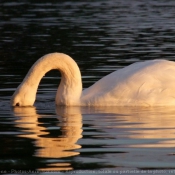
[[17, 104]]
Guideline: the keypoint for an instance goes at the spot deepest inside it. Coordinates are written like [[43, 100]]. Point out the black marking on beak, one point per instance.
[[17, 104]]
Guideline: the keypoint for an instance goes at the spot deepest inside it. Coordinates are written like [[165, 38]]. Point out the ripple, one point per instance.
[[101, 41]]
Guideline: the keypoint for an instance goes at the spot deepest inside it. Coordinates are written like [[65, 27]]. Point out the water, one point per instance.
[[102, 36]]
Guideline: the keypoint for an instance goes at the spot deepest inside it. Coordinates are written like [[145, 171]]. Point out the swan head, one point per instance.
[[23, 96]]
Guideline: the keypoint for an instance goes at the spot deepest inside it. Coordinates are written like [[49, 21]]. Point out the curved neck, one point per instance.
[[70, 88]]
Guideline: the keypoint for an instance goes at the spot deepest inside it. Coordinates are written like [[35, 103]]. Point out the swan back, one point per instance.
[[148, 83]]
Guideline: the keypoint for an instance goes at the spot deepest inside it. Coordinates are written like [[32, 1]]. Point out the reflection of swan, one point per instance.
[[106, 129], [70, 123], [149, 83], [138, 127]]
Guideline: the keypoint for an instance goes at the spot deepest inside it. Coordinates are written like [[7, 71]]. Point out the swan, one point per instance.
[[147, 83]]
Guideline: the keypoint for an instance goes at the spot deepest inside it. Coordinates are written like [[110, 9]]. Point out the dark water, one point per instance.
[[102, 36]]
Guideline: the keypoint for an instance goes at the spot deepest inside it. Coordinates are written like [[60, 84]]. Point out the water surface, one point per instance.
[[102, 36]]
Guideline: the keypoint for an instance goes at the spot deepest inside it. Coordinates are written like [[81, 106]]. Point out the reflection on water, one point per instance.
[[131, 137], [70, 124], [149, 127], [112, 136]]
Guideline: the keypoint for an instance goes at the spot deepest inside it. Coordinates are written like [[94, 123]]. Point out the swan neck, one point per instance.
[[70, 88]]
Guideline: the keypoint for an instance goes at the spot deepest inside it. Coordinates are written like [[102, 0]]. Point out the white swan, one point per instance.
[[148, 83]]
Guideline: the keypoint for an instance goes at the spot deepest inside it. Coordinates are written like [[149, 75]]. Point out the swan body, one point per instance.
[[148, 83]]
